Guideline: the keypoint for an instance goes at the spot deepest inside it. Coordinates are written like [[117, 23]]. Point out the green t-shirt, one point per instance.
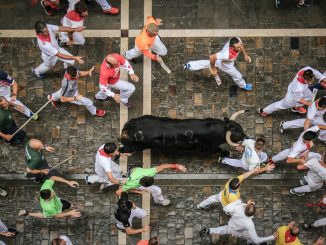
[[53, 206], [136, 175], [34, 159], [6, 120]]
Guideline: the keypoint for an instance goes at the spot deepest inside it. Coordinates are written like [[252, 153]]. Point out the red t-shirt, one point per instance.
[[111, 75], [143, 242]]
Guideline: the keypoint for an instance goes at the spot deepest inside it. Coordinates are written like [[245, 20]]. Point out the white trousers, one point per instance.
[[103, 3], [155, 191], [211, 200], [283, 155], [299, 123], [126, 90], [135, 213], [158, 47], [221, 230], [84, 101], [76, 36], [27, 111], [310, 187], [49, 62], [228, 69], [320, 222], [235, 163]]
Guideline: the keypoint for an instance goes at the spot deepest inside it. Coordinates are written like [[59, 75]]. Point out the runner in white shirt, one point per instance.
[[298, 93], [240, 224], [300, 151], [252, 156], [224, 60], [320, 222], [106, 7], [315, 177], [107, 171], [7, 83], [315, 116], [61, 240], [51, 51]]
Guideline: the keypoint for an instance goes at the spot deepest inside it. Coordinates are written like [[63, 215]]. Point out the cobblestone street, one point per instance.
[[181, 94]]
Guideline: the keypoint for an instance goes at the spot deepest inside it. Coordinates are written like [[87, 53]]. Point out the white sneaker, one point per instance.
[[165, 202]]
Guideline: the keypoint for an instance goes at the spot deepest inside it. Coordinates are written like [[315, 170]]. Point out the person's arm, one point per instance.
[[79, 59], [73, 213], [268, 167], [305, 102], [149, 55], [7, 137], [319, 241], [306, 124], [255, 238], [245, 55], [36, 215], [114, 180], [86, 73], [7, 233], [295, 160], [69, 99], [171, 166], [249, 173], [68, 29], [37, 171], [131, 231], [212, 60], [322, 127], [14, 88], [73, 184], [318, 75]]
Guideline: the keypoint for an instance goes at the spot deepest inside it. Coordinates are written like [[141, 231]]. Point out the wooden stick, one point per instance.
[[164, 66], [67, 159], [314, 94]]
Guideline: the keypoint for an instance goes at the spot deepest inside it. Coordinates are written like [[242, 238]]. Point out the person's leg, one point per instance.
[[320, 222], [322, 135], [197, 65], [65, 204], [159, 47], [78, 38], [104, 4], [210, 200], [126, 90], [132, 53], [312, 155], [56, 95], [98, 179], [221, 230], [87, 103], [66, 63], [156, 193], [281, 155], [278, 105], [235, 74], [47, 64], [137, 213], [297, 123], [27, 111]]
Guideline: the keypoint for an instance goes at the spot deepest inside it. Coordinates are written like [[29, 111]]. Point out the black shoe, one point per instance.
[[308, 227], [204, 232], [47, 9]]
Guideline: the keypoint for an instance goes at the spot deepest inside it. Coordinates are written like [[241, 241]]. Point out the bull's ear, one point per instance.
[[226, 119]]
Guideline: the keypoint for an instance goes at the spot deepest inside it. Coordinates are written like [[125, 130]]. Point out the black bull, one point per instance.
[[179, 136]]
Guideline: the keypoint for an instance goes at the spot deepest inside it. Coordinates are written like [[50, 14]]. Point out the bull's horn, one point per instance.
[[236, 114], [228, 139]]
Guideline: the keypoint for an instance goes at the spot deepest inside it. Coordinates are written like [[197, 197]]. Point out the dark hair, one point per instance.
[[234, 40], [109, 148], [124, 204], [308, 74], [322, 102], [260, 143], [80, 7], [234, 183], [250, 209], [146, 181], [293, 232], [153, 241], [45, 194], [39, 27], [56, 241], [309, 135], [72, 71]]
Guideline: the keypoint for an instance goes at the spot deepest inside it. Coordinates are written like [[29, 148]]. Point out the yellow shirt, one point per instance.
[[285, 238], [229, 195]]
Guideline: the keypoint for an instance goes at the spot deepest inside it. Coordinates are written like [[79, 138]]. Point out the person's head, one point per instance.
[[81, 9], [36, 144], [308, 76], [153, 241], [294, 229], [250, 209], [309, 136], [72, 71], [41, 29], [146, 181], [110, 148], [3, 103], [235, 43], [124, 204], [152, 30], [260, 143], [321, 103], [58, 241], [234, 183], [111, 61], [46, 194]]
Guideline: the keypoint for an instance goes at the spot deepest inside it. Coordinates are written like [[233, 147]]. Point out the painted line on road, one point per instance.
[[184, 32]]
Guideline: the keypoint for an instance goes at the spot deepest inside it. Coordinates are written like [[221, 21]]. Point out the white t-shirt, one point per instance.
[[6, 81], [316, 173], [66, 239], [315, 115], [299, 148], [49, 49], [250, 156], [227, 55], [104, 164]]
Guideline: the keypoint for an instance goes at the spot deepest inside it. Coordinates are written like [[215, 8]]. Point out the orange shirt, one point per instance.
[[143, 242], [143, 41], [111, 75]]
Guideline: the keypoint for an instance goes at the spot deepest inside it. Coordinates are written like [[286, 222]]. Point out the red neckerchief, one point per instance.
[[300, 77], [73, 15], [68, 77], [102, 153], [308, 146], [44, 39], [233, 53], [288, 237]]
